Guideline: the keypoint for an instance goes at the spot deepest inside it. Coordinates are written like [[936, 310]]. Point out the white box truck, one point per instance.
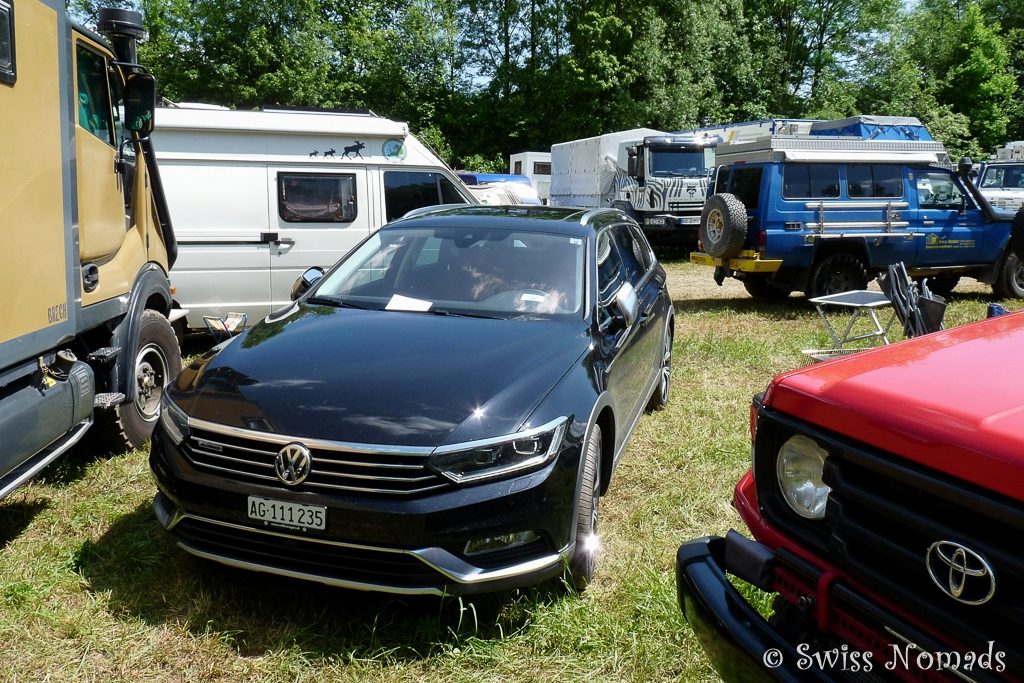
[[660, 179], [260, 196]]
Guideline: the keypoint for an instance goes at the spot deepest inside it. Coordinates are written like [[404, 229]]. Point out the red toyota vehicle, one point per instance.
[[886, 497]]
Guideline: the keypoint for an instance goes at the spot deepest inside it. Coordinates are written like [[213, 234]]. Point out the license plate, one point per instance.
[[689, 220], [287, 514], [657, 220]]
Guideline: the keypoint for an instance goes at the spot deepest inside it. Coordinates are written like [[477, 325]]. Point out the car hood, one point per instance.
[[382, 377], [953, 400]]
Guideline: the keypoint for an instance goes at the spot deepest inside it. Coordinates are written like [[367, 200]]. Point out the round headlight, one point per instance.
[[799, 467]]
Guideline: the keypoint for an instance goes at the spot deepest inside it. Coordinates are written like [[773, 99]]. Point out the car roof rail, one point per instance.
[[589, 216]]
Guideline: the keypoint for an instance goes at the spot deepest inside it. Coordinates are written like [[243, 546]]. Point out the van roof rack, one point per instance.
[[281, 108]]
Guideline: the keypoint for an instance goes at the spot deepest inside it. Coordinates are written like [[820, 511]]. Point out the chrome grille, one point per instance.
[[336, 466]]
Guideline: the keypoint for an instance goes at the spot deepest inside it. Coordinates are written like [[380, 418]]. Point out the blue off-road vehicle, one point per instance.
[[823, 212]]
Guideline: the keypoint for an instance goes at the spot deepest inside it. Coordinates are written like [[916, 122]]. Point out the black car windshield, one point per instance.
[[462, 271]]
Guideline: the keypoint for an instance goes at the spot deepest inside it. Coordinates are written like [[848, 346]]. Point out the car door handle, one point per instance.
[[285, 240], [927, 222]]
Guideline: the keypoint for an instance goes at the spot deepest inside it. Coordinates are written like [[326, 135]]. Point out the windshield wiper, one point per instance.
[[335, 301], [458, 314]]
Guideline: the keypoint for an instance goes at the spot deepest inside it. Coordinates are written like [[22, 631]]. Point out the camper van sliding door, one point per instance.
[[320, 215]]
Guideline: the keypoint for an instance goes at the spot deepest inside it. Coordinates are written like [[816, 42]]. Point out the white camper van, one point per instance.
[[258, 197]]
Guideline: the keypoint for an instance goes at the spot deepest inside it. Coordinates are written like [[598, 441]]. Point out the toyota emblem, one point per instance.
[[293, 463], [961, 573]]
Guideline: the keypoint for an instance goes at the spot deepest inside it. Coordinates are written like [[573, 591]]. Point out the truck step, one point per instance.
[[104, 355], [108, 400]]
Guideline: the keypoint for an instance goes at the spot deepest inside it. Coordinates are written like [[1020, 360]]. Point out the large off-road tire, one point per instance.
[[1009, 283], [584, 557], [156, 361], [723, 225], [759, 287], [837, 273], [659, 397]]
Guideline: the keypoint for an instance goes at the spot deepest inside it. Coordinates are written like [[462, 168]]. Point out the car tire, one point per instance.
[[1009, 283], [759, 287], [723, 225], [156, 361], [837, 273], [584, 556], [660, 395]]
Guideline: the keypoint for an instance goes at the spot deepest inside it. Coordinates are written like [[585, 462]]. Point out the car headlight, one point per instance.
[[174, 420], [499, 457], [800, 464]]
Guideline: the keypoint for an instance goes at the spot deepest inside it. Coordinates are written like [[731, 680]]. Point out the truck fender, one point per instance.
[[152, 289]]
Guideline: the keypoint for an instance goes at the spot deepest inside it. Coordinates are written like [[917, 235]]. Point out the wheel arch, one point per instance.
[[151, 291], [606, 421], [857, 248]]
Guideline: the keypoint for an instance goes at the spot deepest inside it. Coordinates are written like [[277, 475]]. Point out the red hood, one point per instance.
[[952, 400]]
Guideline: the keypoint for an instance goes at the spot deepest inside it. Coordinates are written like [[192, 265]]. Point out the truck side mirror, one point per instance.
[[139, 103], [308, 278], [631, 162]]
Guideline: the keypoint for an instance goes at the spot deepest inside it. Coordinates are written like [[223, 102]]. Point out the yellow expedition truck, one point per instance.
[[86, 239]]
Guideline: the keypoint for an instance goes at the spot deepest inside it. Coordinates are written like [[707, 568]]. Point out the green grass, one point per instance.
[[91, 589]]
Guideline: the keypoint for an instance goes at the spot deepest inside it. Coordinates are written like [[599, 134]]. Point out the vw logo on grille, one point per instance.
[[961, 573], [293, 463]]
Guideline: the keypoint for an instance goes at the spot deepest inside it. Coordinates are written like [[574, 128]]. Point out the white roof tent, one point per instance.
[[833, 149]]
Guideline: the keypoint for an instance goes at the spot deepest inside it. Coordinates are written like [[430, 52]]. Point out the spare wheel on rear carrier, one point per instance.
[[723, 225]]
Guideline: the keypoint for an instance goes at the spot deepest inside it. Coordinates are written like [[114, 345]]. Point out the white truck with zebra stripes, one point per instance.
[[658, 178]]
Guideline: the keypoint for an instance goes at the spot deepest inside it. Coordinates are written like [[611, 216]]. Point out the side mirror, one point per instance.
[[626, 303], [631, 163], [139, 103], [309, 278]]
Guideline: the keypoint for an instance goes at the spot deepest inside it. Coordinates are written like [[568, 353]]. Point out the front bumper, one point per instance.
[[407, 546], [740, 643], [860, 635]]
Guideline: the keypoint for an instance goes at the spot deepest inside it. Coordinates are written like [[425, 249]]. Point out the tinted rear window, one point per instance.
[[874, 180], [746, 184], [810, 181]]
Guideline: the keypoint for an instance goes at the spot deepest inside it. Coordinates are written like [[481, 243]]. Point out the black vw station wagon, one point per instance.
[[439, 413]]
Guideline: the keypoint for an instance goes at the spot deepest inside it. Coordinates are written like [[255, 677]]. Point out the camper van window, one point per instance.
[[7, 71], [877, 180], [810, 180], [540, 168], [316, 198], [408, 190], [93, 95]]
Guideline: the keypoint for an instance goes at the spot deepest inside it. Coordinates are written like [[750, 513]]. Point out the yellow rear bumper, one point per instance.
[[746, 261]]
